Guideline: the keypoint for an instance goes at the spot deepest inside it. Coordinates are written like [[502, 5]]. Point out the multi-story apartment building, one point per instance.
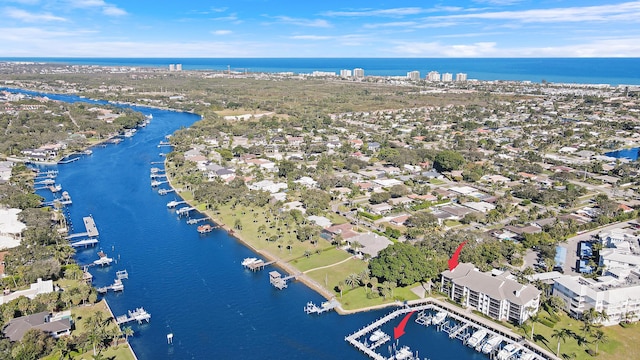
[[619, 298], [358, 72], [498, 296], [461, 77], [413, 75]]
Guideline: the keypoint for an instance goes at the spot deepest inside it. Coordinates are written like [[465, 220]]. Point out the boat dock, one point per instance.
[[258, 265], [165, 191], [85, 243], [156, 183], [184, 210], [156, 176], [140, 315], [157, 162], [195, 221], [312, 308], [174, 203], [90, 226], [122, 274], [115, 287]]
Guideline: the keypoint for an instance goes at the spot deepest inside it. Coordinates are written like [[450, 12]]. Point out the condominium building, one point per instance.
[[461, 77], [433, 76], [617, 294], [172, 67], [358, 72], [178, 67], [498, 296], [345, 73], [447, 77], [413, 75]]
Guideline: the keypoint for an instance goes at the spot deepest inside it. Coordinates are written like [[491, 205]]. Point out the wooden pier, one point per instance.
[[259, 265], [140, 315], [90, 226]]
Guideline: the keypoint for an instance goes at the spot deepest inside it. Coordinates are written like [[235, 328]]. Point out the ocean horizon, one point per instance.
[[611, 71]]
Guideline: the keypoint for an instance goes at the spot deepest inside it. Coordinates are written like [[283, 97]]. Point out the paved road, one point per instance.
[[572, 245]]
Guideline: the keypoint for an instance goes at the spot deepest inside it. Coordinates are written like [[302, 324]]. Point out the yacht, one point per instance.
[[440, 316], [377, 335], [508, 351], [476, 338], [525, 355], [403, 353], [491, 344]]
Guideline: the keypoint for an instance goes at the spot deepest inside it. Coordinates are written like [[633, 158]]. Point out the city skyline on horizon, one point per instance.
[[265, 28]]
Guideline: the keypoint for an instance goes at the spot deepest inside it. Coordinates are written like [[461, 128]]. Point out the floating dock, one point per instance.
[[140, 315]]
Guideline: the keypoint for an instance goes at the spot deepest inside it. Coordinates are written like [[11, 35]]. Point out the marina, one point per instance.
[[476, 332]]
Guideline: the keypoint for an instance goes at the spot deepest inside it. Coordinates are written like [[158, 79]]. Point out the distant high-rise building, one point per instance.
[[413, 75], [448, 77], [345, 73], [461, 77], [358, 72], [433, 76], [172, 67], [178, 67]]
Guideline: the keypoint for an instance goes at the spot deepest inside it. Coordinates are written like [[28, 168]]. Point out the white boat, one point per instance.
[[491, 344], [440, 316], [477, 337], [403, 353], [508, 351], [129, 133], [249, 261], [525, 355], [104, 259], [377, 335]]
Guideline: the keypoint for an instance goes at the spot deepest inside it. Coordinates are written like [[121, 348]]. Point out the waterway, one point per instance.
[[194, 286], [632, 154]]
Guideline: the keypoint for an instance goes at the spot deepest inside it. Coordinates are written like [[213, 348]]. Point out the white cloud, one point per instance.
[[629, 11], [437, 49], [221, 32], [311, 37], [394, 12], [390, 24], [107, 9], [26, 16], [113, 11], [302, 22], [498, 2]]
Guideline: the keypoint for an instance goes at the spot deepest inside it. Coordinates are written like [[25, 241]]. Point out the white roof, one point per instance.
[[9, 223], [321, 221], [464, 190], [387, 182]]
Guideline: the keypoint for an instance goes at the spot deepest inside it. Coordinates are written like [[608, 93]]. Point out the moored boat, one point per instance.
[[439, 317], [491, 344], [477, 337]]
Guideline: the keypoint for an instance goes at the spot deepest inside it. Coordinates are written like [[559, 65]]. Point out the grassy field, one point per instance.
[[621, 344], [329, 256]]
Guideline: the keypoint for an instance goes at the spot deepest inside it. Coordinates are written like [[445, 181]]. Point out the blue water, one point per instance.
[[612, 71], [625, 153], [193, 285]]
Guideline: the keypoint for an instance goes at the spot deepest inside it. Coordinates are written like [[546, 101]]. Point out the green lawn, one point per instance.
[[436, 182], [619, 339], [327, 257]]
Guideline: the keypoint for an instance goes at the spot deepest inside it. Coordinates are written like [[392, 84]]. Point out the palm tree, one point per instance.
[[355, 246], [534, 319], [127, 331], [352, 280], [599, 337], [560, 334]]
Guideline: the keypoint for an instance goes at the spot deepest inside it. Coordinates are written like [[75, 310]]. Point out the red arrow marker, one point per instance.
[[453, 262], [399, 330]]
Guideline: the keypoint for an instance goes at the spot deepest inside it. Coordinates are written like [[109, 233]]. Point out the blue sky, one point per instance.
[[328, 28]]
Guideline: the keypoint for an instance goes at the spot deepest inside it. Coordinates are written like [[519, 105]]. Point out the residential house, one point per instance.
[[56, 327]]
